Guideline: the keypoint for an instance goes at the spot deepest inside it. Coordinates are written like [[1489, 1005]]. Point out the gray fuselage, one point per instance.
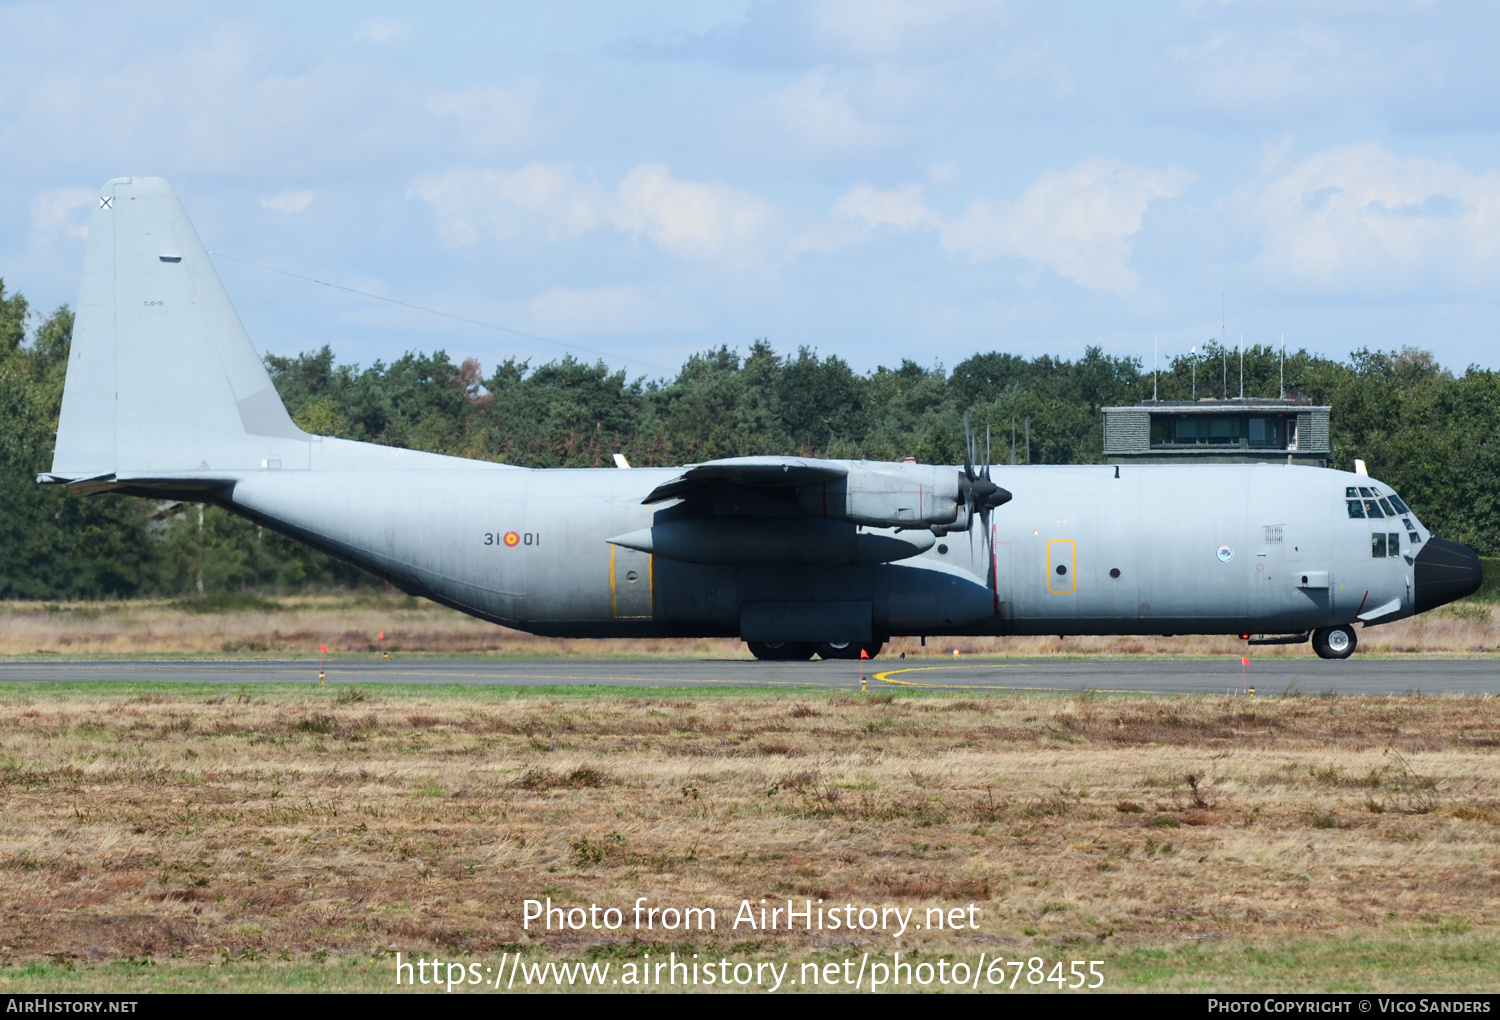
[[1159, 549]]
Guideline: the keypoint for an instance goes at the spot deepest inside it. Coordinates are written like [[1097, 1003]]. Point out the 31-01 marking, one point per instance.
[[512, 538]]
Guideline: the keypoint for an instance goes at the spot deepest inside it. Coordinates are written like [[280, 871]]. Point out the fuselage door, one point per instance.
[[630, 583], [1062, 566]]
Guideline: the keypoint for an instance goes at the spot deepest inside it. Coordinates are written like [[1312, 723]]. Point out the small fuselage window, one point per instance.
[[1377, 545]]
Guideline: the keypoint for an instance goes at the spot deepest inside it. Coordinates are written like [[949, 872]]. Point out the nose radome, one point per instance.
[[1444, 572]]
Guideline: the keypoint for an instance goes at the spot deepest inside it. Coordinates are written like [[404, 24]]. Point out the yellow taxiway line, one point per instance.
[[888, 677]]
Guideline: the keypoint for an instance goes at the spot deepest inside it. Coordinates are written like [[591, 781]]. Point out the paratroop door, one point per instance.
[[1062, 566], [630, 583]]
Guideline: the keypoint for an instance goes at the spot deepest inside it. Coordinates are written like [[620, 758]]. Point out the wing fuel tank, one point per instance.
[[754, 541]]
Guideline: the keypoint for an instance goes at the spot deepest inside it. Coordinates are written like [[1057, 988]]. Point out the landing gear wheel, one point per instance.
[[780, 651], [1334, 642], [846, 649]]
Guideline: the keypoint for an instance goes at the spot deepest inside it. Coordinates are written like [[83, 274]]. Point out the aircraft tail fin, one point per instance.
[[162, 378]]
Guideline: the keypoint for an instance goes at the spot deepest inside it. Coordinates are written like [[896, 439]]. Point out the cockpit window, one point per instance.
[[1351, 491], [1372, 509], [1356, 508], [1365, 492], [1377, 545], [1386, 506], [1400, 506]]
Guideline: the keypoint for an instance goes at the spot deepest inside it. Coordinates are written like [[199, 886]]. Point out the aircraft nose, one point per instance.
[[1444, 571]]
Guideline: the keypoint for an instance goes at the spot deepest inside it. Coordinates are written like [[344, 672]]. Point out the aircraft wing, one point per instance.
[[749, 473]]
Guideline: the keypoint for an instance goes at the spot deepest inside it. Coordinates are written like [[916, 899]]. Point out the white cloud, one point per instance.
[[564, 310], [1076, 222], [902, 207], [62, 211], [381, 31], [688, 218], [816, 108], [945, 172], [489, 117], [288, 201], [1361, 218], [878, 28], [691, 219]]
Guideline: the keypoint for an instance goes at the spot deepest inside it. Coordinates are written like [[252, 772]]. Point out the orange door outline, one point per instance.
[[1059, 584]]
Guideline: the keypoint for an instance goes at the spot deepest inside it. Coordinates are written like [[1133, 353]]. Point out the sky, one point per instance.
[[876, 179]]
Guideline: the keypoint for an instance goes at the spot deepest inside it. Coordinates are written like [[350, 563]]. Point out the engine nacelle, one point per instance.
[[885, 495]]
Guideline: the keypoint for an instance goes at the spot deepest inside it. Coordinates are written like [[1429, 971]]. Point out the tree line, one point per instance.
[[1431, 433]]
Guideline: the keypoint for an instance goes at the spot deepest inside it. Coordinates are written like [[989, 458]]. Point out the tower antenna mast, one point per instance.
[[1283, 366], [1223, 348]]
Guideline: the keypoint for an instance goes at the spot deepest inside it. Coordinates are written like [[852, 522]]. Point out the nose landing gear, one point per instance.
[[1334, 642]]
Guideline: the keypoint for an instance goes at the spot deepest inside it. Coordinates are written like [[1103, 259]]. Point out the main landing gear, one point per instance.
[[846, 650], [1334, 642], [801, 651], [780, 651]]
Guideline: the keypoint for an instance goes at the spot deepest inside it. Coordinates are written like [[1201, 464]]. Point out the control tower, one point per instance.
[[1212, 431]]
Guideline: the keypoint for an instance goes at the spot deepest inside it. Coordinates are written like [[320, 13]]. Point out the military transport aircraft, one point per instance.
[[166, 398]]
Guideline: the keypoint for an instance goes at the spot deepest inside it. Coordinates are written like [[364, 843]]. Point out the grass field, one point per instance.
[[253, 627], [180, 837]]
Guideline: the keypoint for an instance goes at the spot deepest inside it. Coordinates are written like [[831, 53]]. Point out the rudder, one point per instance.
[[162, 378]]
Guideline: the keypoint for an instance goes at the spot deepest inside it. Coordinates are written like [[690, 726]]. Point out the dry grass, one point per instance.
[[297, 626], [191, 828]]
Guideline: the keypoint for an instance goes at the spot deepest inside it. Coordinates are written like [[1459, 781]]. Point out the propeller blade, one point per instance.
[[986, 451], [968, 450]]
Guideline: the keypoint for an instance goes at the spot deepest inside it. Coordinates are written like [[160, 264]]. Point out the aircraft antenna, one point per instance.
[[1028, 439], [571, 347], [1153, 383], [1242, 366], [1012, 441], [1194, 355], [1283, 366]]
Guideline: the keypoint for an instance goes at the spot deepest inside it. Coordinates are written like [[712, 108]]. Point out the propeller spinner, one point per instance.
[[980, 493]]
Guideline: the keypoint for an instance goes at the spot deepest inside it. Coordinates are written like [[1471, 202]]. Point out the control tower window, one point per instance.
[[1377, 545], [1263, 432]]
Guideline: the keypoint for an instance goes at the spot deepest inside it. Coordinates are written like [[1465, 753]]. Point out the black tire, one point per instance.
[[1334, 642], [846, 649], [780, 651]]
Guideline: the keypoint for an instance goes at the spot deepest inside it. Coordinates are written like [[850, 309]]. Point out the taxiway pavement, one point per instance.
[[1103, 675]]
